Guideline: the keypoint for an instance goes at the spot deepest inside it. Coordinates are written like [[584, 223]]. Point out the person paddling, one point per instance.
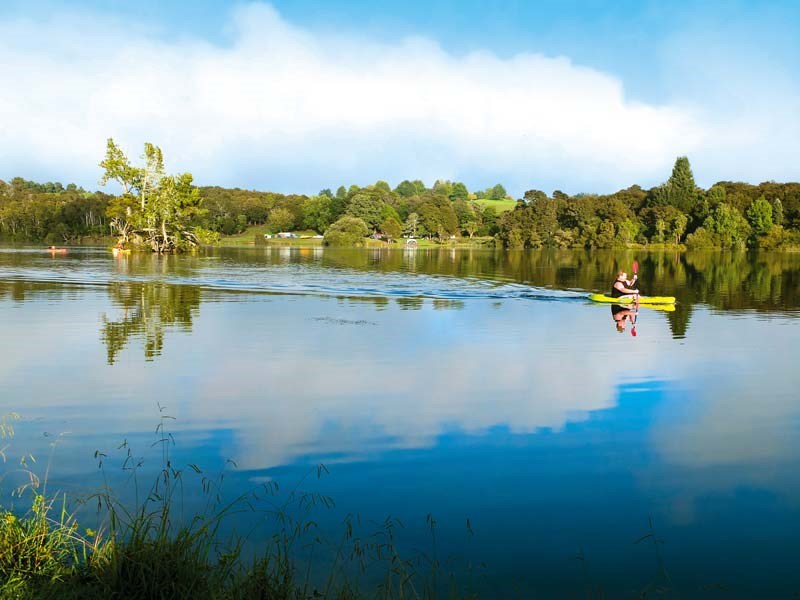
[[623, 287]]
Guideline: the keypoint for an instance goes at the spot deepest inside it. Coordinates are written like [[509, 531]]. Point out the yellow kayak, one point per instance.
[[120, 251], [642, 299]]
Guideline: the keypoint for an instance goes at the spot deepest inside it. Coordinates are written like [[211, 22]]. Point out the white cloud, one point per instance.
[[733, 426], [283, 108]]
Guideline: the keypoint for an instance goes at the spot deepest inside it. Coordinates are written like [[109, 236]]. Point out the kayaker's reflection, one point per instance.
[[621, 314]]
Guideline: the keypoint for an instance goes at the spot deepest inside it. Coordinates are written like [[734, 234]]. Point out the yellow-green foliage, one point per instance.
[[499, 205]]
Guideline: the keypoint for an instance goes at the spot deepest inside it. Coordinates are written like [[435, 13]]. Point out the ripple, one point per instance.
[[290, 279]]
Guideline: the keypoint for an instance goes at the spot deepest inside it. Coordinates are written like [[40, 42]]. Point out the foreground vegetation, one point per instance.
[[167, 213], [152, 551]]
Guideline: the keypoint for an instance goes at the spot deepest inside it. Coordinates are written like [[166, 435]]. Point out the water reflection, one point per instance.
[[444, 382], [146, 310], [622, 314], [725, 280], [410, 303], [447, 304]]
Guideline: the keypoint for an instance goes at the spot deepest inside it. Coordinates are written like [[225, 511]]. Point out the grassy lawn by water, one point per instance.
[[256, 232]]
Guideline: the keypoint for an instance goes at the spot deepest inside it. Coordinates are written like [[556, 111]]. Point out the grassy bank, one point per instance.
[[254, 236]]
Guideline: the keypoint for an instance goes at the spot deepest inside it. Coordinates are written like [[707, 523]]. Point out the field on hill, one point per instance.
[[499, 205]]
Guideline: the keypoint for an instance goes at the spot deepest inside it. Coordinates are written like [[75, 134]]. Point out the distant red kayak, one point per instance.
[[54, 250]]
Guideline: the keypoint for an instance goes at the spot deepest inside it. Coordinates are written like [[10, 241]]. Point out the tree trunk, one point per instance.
[[164, 234]]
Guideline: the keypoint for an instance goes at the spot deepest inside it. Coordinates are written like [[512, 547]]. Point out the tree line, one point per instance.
[[50, 212], [447, 208], [168, 213], [727, 215]]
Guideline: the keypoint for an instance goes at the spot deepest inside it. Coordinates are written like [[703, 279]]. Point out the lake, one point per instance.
[[479, 387]]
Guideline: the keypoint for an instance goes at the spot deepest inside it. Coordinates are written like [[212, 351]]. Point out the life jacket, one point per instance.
[[615, 293]]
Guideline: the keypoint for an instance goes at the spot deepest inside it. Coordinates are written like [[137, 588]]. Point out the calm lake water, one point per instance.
[[466, 384]]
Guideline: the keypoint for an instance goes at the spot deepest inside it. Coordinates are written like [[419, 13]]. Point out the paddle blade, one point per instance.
[[635, 267]]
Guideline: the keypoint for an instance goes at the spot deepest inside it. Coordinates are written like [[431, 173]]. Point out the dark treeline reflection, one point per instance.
[[764, 282], [147, 311], [21, 290], [152, 294], [727, 280]]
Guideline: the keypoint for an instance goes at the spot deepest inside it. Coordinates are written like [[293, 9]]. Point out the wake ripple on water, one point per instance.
[[290, 279]]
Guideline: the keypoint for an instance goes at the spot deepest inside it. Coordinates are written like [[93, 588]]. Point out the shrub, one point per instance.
[[347, 231]]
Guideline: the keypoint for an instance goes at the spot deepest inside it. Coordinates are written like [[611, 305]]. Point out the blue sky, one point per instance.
[[579, 96]]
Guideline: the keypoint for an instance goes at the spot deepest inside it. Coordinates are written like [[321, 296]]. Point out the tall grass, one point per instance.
[[151, 549]]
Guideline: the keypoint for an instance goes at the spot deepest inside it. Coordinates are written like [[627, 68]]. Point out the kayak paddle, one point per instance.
[[635, 269]]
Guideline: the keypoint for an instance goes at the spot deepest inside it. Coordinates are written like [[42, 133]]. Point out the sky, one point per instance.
[[581, 96]]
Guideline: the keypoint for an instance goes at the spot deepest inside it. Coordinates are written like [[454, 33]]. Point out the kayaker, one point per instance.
[[622, 287]]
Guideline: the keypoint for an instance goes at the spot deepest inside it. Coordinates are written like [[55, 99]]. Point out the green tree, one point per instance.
[[280, 219], [559, 195], [347, 231], [605, 235], [419, 186], [534, 195], [388, 212], [471, 227], [679, 223], [489, 220], [430, 218], [169, 211], [411, 225], [367, 206], [155, 209], [339, 203], [443, 187], [465, 211], [728, 226], [459, 192], [681, 185], [777, 211], [406, 189], [627, 231], [391, 228], [544, 219], [497, 192], [660, 227], [318, 212], [759, 215]]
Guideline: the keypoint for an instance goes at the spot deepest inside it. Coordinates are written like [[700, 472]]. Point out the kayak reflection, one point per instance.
[[622, 314], [628, 313]]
